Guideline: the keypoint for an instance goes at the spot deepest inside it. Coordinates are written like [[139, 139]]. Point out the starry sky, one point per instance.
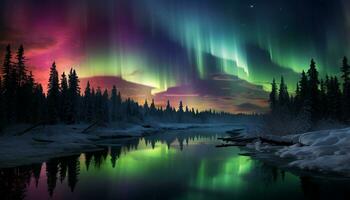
[[220, 54]]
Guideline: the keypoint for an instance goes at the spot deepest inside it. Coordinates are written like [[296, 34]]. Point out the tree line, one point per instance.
[[22, 100], [315, 98]]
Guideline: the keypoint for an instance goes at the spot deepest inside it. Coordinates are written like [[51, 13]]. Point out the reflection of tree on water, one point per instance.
[[51, 174], [99, 156], [88, 158], [63, 169], [170, 139], [62, 166], [115, 154], [13, 182], [36, 170], [73, 171]]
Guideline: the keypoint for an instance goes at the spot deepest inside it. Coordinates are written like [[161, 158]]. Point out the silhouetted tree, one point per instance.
[[105, 106], [88, 104], [20, 66], [114, 104], [53, 95], [283, 95], [119, 105], [6, 70], [181, 107], [99, 105], [345, 69], [313, 84], [303, 84], [146, 107], [334, 98], [9, 87], [273, 95], [64, 104], [74, 97], [28, 110], [24, 88], [39, 104], [168, 106], [153, 108], [323, 98]]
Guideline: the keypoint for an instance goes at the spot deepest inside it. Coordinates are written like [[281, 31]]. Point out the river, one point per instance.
[[174, 165]]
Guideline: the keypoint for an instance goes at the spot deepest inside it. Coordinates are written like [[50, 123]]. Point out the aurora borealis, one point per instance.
[[182, 43], [198, 172]]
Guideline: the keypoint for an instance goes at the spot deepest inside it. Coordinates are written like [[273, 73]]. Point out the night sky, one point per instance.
[[210, 53]]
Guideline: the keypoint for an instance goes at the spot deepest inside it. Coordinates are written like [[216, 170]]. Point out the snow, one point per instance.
[[327, 150]]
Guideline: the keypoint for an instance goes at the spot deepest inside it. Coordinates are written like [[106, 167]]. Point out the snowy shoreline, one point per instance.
[[43, 143], [326, 151]]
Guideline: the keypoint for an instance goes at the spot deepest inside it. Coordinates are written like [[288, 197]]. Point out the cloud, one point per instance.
[[224, 93]]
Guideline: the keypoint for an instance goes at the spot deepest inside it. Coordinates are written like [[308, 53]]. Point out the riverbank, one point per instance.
[[45, 142], [325, 151]]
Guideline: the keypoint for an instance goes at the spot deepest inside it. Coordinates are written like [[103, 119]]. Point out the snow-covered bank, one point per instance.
[[327, 150], [45, 142], [324, 151]]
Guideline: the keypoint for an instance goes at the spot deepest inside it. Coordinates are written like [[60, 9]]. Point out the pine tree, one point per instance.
[[114, 104], [296, 105], [39, 104], [13, 95], [28, 93], [6, 69], [9, 86], [128, 111], [105, 107], [273, 95], [180, 112], [98, 105], [20, 66], [24, 87], [153, 108], [314, 93], [119, 106], [88, 115], [304, 90], [323, 98], [64, 104], [53, 95], [168, 106], [74, 97], [345, 69], [93, 104], [146, 107], [181, 107], [283, 96], [333, 97]]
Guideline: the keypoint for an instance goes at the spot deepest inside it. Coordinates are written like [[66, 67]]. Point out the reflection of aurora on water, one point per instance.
[[166, 166]]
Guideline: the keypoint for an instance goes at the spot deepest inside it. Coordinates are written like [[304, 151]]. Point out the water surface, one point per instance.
[[171, 166]]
